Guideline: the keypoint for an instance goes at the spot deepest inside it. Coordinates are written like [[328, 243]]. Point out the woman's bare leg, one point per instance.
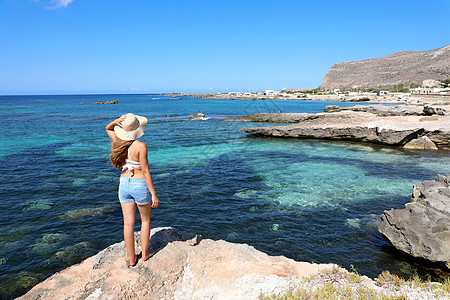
[[145, 211], [129, 217]]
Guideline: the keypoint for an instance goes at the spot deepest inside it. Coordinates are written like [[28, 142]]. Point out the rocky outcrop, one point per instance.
[[197, 115], [422, 143], [362, 126], [436, 110], [274, 117], [385, 72], [381, 110], [185, 266], [422, 228], [106, 102], [394, 110]]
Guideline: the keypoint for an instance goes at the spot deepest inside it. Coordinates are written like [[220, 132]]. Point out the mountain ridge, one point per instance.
[[405, 67]]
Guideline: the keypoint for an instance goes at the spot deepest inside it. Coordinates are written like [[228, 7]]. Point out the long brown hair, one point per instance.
[[119, 152]]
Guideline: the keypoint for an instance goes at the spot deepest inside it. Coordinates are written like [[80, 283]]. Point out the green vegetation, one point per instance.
[[337, 283], [331, 291], [429, 118], [445, 82], [399, 88], [313, 91]]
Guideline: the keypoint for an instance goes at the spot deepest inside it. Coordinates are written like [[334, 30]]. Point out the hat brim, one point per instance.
[[131, 135]]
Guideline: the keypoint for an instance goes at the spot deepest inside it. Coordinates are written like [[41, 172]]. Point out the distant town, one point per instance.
[[430, 91]]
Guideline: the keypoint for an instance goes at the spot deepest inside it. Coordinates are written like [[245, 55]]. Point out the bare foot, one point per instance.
[[150, 254], [134, 262]]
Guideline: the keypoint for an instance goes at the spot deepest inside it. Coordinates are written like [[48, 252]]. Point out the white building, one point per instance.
[[270, 93], [422, 91]]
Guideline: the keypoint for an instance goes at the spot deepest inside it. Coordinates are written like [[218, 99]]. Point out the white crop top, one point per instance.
[[130, 164]]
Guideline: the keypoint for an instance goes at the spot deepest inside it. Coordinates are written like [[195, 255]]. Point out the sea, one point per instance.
[[309, 200]]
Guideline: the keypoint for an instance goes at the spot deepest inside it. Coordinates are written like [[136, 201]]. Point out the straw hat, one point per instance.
[[131, 128]]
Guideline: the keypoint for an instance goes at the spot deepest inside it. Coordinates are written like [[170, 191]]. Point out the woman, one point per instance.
[[136, 185]]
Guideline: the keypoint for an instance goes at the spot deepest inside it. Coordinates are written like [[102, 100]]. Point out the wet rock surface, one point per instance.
[[422, 228]]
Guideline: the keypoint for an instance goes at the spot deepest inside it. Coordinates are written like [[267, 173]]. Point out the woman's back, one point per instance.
[[132, 167]]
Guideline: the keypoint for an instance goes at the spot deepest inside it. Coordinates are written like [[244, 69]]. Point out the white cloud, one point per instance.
[[55, 3], [62, 3]]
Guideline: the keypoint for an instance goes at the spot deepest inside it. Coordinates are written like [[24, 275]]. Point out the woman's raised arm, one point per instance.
[[110, 127]]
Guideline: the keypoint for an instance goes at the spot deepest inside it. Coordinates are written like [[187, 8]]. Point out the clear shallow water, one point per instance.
[[308, 200]]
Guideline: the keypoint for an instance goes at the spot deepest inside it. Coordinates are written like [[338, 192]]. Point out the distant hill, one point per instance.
[[405, 68]]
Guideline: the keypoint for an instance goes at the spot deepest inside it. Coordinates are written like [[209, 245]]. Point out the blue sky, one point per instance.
[[142, 46]]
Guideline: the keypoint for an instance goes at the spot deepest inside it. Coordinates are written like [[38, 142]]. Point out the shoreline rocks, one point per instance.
[[184, 266], [359, 123], [394, 110], [422, 228]]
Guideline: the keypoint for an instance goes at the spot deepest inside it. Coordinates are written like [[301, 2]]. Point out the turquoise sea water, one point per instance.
[[316, 201]]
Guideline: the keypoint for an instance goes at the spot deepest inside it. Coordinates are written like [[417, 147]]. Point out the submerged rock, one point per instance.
[[37, 205], [422, 228], [84, 212], [48, 242]]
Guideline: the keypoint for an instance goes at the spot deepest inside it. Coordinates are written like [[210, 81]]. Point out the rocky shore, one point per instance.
[[422, 228], [412, 127], [354, 97], [185, 266]]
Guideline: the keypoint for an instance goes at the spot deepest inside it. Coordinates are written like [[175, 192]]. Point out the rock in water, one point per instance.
[[197, 115], [422, 143], [422, 228], [185, 266]]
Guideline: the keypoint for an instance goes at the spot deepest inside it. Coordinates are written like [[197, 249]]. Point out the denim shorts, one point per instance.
[[134, 189]]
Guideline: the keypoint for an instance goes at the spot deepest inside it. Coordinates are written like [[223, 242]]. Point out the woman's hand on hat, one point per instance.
[[120, 120]]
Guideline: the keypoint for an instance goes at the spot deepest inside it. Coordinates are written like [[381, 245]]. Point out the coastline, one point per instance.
[[410, 127], [57, 237], [395, 98]]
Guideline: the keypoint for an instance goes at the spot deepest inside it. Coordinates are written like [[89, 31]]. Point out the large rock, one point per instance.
[[185, 266], [422, 143], [380, 110], [196, 116], [436, 110], [422, 228], [362, 126]]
